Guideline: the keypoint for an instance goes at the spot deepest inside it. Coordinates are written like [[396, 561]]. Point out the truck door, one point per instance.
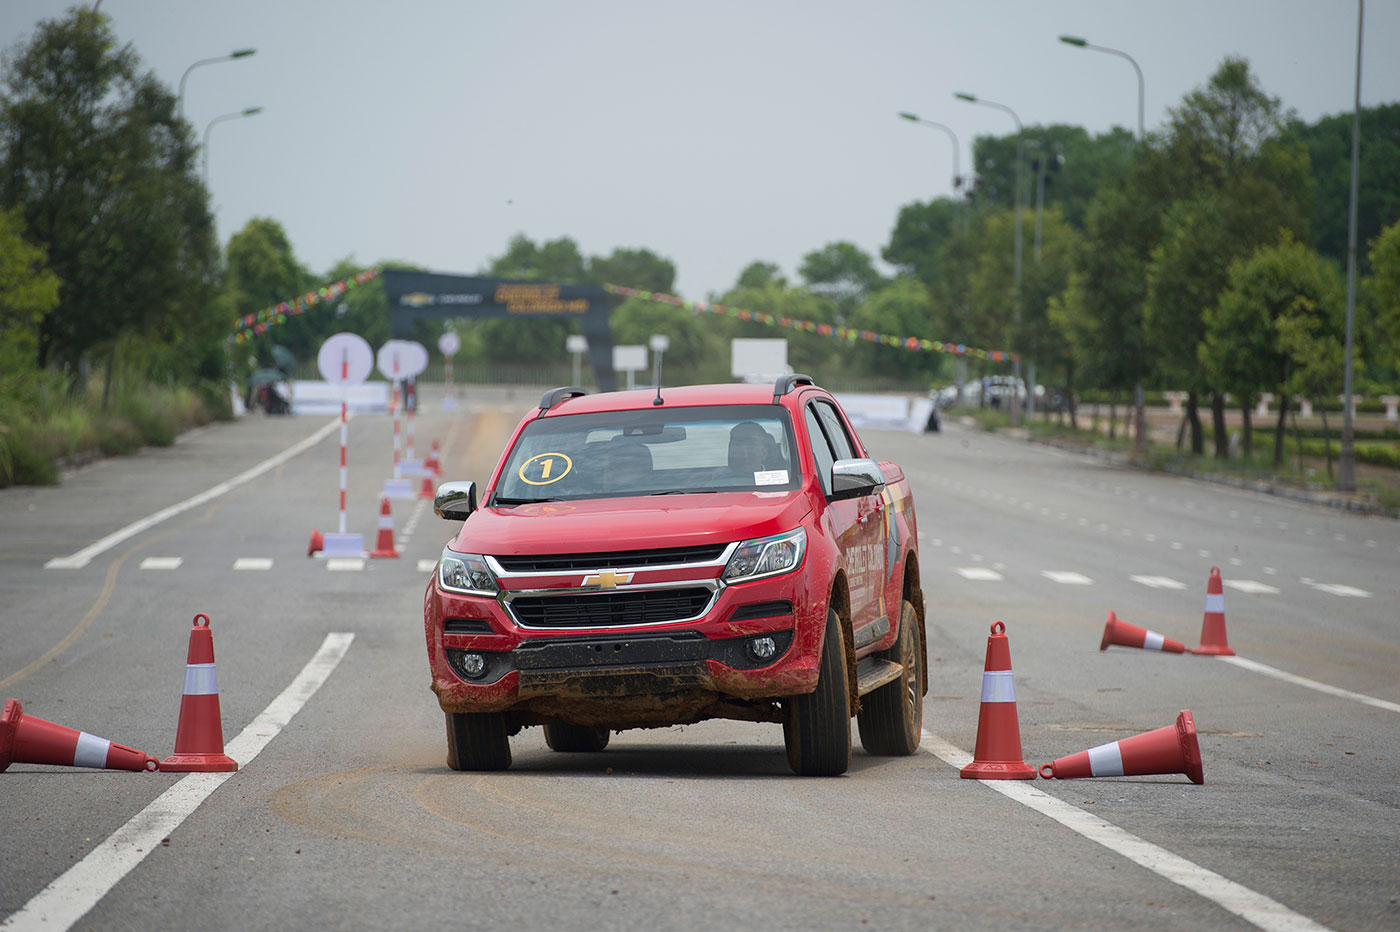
[[855, 522]]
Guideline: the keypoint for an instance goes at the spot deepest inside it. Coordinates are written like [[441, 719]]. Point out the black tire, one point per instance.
[[575, 738], [817, 726], [891, 718], [477, 741]]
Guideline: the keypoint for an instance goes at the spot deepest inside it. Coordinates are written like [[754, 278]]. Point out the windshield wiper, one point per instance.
[[685, 492], [502, 500]]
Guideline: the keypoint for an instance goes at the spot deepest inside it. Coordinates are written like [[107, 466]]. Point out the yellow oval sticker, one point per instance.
[[546, 468]]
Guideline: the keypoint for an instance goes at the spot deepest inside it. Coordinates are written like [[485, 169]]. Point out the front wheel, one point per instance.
[[891, 718], [477, 741], [817, 726]]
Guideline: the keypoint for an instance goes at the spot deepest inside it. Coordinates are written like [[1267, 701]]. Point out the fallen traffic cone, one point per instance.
[[25, 739], [1117, 631], [432, 461], [385, 545], [1170, 749], [1213, 640], [199, 736], [998, 752], [318, 543]]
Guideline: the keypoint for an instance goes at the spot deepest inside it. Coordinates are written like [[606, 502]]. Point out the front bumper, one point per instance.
[[647, 673]]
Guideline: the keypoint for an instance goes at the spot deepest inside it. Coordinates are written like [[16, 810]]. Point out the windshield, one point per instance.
[[652, 452]]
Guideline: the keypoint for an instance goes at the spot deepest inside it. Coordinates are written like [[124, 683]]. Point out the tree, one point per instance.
[[761, 274], [1081, 165], [635, 268], [900, 308], [28, 289], [842, 272], [1236, 184], [262, 270], [105, 174], [1383, 288], [920, 238]]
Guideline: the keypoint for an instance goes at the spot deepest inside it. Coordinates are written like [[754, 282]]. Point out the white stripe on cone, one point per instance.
[[1106, 760], [91, 751], [201, 680], [1153, 641], [997, 686], [1215, 602]]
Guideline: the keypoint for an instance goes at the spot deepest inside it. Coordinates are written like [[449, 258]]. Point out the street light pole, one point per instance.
[[180, 96], [1016, 307], [237, 115], [957, 175], [1346, 462], [1140, 408]]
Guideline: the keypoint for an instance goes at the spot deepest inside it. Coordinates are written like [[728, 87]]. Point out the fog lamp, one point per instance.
[[473, 665], [762, 648]]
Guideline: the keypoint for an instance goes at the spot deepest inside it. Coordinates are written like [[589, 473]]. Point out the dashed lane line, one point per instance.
[[1251, 586], [253, 563], [85, 556], [1158, 582], [68, 898], [1255, 908], [978, 573], [427, 566], [161, 563], [1067, 577]]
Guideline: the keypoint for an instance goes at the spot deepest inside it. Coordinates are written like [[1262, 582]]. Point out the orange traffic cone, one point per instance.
[[1171, 749], [28, 740], [318, 543], [1213, 640], [998, 753], [426, 490], [1119, 632], [432, 462], [385, 546], [199, 736]]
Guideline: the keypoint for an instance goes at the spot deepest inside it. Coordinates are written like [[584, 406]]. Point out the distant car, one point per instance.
[[641, 561]]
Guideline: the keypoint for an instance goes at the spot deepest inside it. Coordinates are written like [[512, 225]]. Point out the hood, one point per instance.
[[641, 523]]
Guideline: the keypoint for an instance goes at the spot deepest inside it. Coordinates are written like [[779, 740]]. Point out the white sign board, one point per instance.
[[754, 358], [631, 358], [345, 359], [576, 343], [401, 359], [449, 343]]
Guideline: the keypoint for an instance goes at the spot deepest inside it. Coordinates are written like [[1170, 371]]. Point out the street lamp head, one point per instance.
[[242, 53], [252, 110], [1074, 40], [968, 97], [913, 118]]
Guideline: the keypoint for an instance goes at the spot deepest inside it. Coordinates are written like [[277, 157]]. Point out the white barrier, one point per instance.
[[887, 412], [309, 397]]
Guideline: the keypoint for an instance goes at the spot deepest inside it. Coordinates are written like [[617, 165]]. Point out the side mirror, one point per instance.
[[455, 500], [854, 478]]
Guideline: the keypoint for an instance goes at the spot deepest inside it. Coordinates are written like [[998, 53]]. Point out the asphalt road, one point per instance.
[[344, 814]]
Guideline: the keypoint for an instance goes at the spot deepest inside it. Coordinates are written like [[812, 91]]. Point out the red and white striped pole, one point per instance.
[[410, 409], [395, 405], [344, 389]]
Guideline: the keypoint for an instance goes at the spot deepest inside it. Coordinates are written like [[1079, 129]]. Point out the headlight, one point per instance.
[[466, 572], [766, 556]]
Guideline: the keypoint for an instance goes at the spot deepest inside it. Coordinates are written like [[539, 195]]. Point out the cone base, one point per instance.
[[998, 770], [379, 554], [317, 543], [1214, 650], [198, 763]]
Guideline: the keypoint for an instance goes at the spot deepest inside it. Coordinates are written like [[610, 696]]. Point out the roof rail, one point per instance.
[[556, 395], [787, 383]]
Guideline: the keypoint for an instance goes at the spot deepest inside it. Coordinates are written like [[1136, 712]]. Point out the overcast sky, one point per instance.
[[713, 133]]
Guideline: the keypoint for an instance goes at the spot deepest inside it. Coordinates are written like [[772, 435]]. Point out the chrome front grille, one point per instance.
[[573, 608]]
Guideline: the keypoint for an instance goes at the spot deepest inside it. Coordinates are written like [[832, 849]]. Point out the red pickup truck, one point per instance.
[[641, 560]]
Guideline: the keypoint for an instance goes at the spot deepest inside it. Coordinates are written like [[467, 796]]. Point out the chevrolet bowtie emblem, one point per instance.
[[608, 579]]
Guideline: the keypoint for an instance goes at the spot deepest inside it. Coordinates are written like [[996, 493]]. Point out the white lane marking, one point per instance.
[[253, 563], [1176, 545], [1158, 582], [1339, 589], [1150, 538], [1256, 667], [1203, 554], [1270, 571], [1067, 577], [978, 573], [344, 564], [1236, 898], [84, 557], [69, 897], [161, 563], [1236, 561], [426, 566], [1249, 585]]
